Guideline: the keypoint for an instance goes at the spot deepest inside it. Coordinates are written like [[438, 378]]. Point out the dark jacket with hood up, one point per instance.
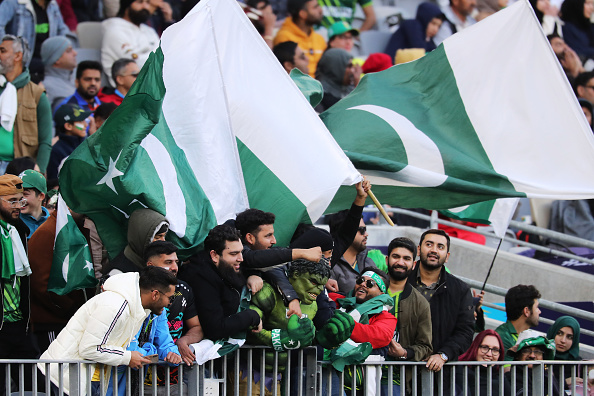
[[412, 33], [142, 227]]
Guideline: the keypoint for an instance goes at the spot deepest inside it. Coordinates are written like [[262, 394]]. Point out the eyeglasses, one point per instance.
[[485, 349], [368, 282], [529, 351], [15, 203], [131, 74], [362, 230], [171, 298]]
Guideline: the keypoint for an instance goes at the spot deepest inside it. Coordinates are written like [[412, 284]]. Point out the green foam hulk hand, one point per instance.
[[337, 330], [300, 333]]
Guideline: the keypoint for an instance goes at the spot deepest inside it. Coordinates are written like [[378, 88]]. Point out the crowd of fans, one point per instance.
[[324, 289]]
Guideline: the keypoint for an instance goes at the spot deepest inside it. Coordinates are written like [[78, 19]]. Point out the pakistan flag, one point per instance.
[[488, 114]]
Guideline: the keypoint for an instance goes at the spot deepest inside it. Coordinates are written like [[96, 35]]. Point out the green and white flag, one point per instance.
[[213, 125], [488, 114], [72, 265]]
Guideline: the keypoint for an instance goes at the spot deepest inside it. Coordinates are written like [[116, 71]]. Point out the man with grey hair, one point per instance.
[[26, 115], [123, 72], [59, 59]]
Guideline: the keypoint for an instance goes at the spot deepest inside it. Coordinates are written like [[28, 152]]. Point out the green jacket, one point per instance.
[[509, 336]]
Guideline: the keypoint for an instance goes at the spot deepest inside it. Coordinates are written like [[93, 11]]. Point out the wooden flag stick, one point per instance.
[[380, 207]]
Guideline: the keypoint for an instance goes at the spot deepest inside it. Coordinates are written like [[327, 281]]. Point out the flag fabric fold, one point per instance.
[[489, 114], [72, 265], [213, 125]]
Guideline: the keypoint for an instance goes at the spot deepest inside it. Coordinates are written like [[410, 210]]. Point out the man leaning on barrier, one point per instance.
[[103, 327]]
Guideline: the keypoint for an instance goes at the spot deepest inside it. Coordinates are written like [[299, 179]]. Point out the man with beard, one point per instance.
[[127, 35], [452, 312], [521, 307], [215, 277], [88, 83], [26, 125], [16, 339], [299, 27], [412, 338]]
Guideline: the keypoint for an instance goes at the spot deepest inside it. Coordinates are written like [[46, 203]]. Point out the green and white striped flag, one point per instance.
[[72, 265], [213, 125], [489, 114]]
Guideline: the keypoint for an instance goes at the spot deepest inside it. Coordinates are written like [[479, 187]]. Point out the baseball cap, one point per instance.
[[70, 113], [33, 179], [341, 27]]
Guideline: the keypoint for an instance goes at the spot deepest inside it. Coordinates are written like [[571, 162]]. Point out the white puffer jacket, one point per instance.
[[100, 330]]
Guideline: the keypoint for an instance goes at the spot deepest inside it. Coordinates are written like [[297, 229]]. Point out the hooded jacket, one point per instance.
[[330, 73], [100, 330], [413, 32], [142, 227]]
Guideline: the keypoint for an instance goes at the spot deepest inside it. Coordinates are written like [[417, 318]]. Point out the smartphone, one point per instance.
[[154, 358]]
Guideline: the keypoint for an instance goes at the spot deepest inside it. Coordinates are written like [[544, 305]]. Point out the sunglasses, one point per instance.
[[362, 230], [368, 282]]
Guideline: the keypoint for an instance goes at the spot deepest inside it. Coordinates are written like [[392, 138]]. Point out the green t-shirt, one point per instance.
[[12, 301], [340, 10], [6, 145]]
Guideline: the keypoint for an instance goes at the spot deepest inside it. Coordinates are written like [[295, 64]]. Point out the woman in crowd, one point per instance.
[[486, 347], [578, 32], [566, 333], [547, 16]]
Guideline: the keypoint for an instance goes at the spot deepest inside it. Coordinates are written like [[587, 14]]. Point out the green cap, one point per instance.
[[70, 113], [33, 179], [341, 28], [533, 338]]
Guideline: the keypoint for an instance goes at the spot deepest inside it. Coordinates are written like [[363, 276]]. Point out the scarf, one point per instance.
[[8, 104], [14, 257], [572, 353]]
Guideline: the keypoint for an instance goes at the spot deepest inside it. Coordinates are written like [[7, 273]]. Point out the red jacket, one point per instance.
[[380, 330]]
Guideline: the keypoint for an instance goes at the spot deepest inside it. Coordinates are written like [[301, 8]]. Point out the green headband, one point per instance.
[[378, 279]]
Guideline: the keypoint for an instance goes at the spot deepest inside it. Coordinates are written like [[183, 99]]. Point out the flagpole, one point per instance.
[[380, 208], [492, 262]]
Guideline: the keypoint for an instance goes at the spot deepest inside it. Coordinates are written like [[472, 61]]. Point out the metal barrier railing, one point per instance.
[[301, 374]]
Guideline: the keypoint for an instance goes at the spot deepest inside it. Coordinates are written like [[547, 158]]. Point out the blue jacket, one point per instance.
[[159, 341], [33, 223], [17, 17]]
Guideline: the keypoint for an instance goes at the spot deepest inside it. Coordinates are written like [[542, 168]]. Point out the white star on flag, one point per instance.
[[112, 173]]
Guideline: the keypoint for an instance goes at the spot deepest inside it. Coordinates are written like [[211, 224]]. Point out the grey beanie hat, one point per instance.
[[53, 48]]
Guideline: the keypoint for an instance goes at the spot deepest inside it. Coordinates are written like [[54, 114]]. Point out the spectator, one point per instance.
[[486, 347], [71, 126], [452, 316], [16, 338], [124, 73], [266, 21], [566, 334], [577, 29], [304, 15], [103, 112], [59, 59], [338, 75], [127, 35], [182, 316], [418, 32], [216, 279], [350, 255], [412, 338], [49, 311], [86, 10], [547, 16], [588, 110], [532, 346], [572, 65], [103, 327], [162, 16], [21, 164], [29, 115], [584, 86], [35, 21], [144, 226], [490, 7], [88, 82], [342, 35], [458, 16], [521, 307], [33, 213], [291, 56], [344, 11]]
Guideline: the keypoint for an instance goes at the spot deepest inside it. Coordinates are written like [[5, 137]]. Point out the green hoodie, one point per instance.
[[44, 121]]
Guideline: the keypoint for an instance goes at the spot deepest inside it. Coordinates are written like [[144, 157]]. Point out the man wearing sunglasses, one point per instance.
[[16, 340], [124, 72]]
